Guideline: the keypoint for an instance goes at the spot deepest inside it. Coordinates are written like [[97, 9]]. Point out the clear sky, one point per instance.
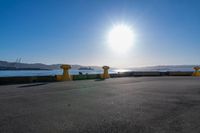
[[167, 32]]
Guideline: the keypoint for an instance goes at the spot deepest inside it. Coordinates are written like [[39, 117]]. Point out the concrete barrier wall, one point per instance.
[[180, 73], [139, 74], [32, 79], [86, 76], [26, 79], [148, 74]]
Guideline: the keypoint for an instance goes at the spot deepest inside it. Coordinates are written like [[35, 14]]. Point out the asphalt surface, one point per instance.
[[120, 105]]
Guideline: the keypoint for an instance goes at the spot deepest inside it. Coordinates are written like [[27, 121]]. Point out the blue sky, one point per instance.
[[167, 32]]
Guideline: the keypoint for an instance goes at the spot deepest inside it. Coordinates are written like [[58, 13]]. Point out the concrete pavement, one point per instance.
[[118, 105]]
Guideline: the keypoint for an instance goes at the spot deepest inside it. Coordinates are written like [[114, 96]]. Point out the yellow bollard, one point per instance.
[[66, 76], [105, 74], [196, 72]]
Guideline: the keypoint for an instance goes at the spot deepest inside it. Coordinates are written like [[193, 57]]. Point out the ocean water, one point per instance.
[[13, 73]]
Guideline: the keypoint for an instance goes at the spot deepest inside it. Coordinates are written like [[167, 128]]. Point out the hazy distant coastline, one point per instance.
[[5, 65], [14, 68]]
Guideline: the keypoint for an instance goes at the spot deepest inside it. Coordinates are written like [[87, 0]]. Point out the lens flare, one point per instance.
[[120, 38]]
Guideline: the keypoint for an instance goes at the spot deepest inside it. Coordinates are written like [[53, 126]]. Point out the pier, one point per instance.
[[125, 105]]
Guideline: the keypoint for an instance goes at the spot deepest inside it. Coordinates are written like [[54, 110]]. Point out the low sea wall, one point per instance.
[[140, 74], [32, 79], [26, 79]]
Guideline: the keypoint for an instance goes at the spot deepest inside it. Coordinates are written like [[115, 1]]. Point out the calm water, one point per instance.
[[9, 73]]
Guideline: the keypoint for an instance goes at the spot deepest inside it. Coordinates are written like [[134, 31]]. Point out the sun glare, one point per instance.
[[120, 38]]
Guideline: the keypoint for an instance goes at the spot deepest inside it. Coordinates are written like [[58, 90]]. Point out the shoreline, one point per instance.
[[52, 78]]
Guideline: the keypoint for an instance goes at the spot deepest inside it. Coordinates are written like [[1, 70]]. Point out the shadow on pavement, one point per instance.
[[31, 85], [99, 79]]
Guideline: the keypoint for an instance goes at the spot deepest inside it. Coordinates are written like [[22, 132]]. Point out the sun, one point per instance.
[[120, 38]]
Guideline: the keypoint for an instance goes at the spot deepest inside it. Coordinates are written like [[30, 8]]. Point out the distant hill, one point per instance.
[[4, 65], [165, 68]]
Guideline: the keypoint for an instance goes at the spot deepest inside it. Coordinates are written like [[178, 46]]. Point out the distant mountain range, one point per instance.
[[4, 65], [165, 68]]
